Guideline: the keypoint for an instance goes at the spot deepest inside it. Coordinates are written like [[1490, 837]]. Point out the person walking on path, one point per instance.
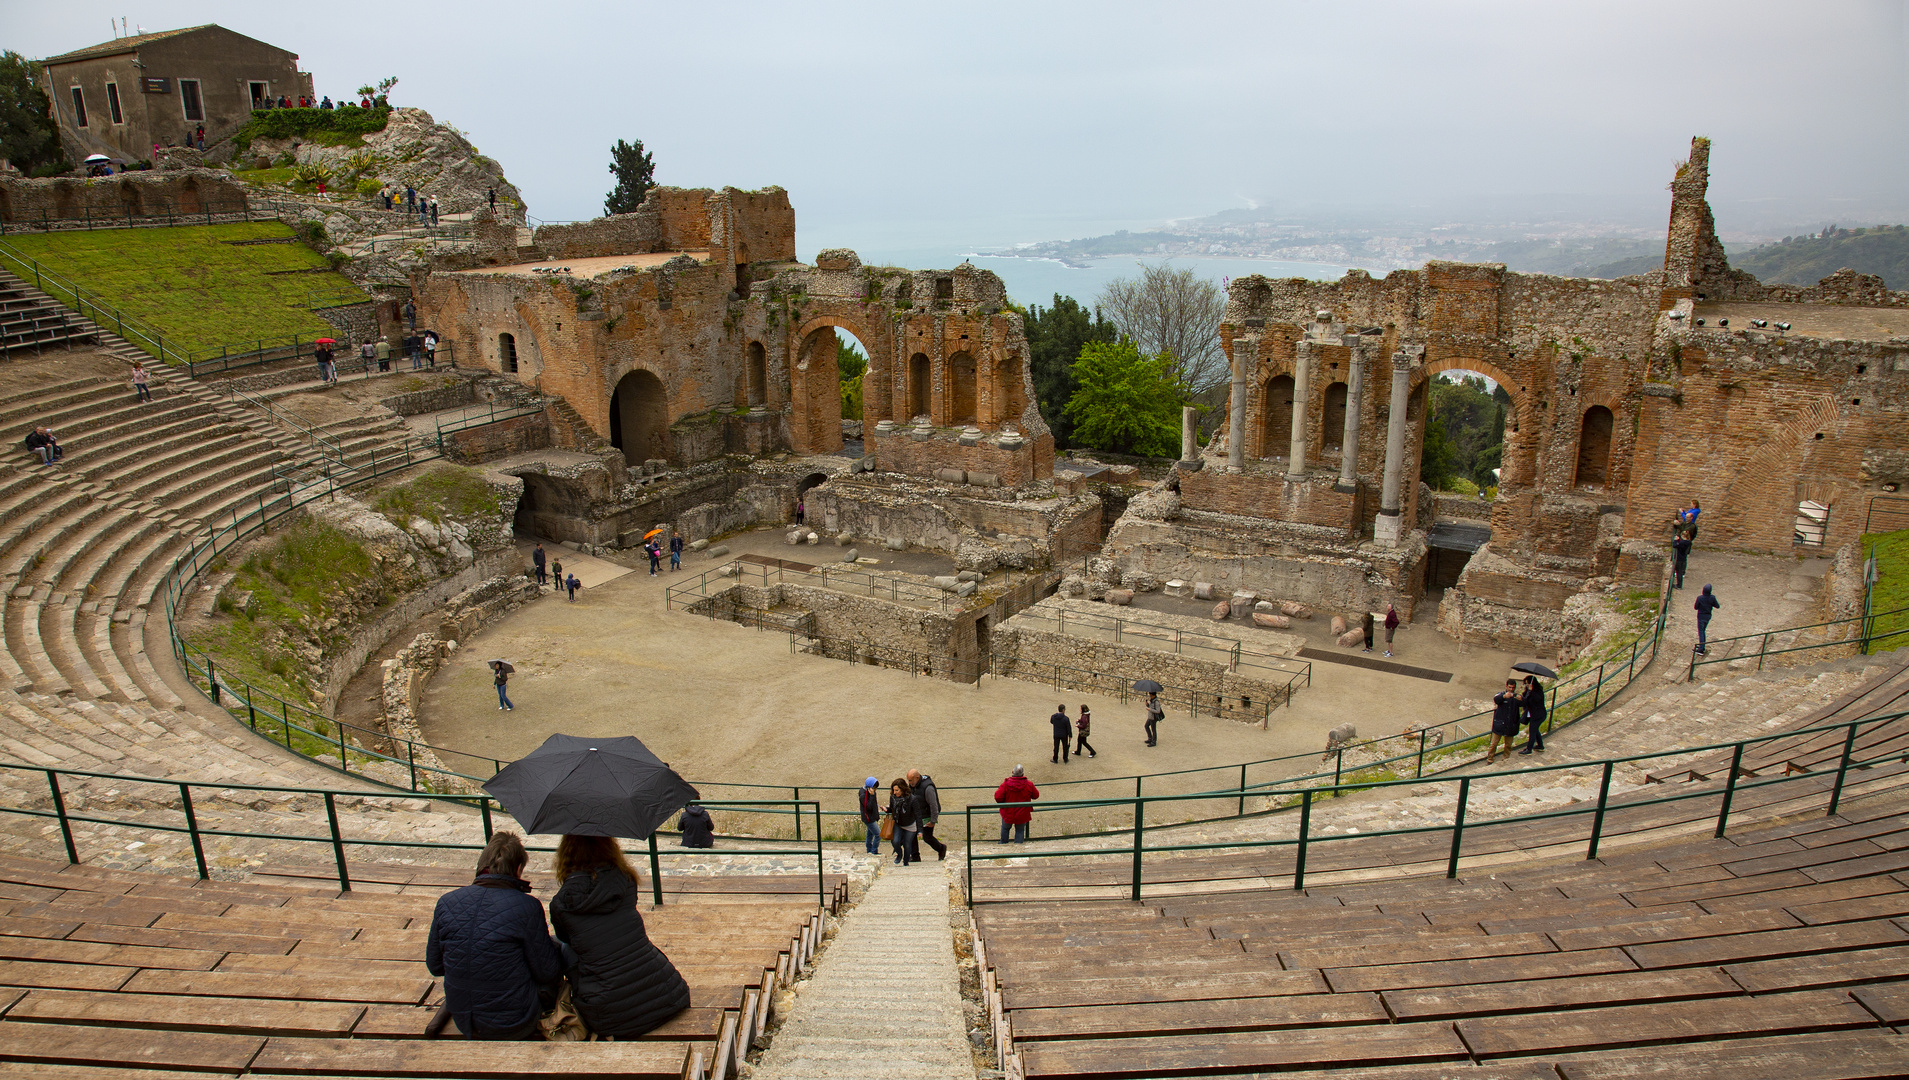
[[489, 944], [930, 800], [491, 194], [1017, 788], [1391, 624], [382, 351], [571, 585], [500, 674], [142, 382], [676, 551], [323, 356], [1155, 714], [1506, 710], [871, 807], [1680, 557], [1365, 625], [905, 810], [537, 560], [1705, 605], [1687, 517], [800, 511], [1534, 715], [1084, 725], [1063, 734]]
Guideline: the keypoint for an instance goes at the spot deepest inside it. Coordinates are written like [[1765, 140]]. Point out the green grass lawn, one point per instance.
[[195, 285], [1892, 585]]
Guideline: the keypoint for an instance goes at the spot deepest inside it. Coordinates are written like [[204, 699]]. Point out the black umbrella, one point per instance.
[[591, 787], [1148, 686], [1533, 668]]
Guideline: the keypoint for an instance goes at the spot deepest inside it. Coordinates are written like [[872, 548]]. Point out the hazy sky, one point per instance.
[[905, 124]]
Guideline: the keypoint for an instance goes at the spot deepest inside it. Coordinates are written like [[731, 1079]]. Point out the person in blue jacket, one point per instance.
[[489, 944]]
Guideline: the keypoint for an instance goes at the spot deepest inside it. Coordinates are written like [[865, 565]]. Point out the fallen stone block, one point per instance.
[[1222, 611], [984, 479], [698, 545], [967, 588], [1202, 590], [1295, 609], [813, 538], [1271, 622], [853, 554], [1267, 607], [951, 476], [968, 575], [1073, 586], [1142, 582], [895, 543], [794, 537], [718, 551], [1340, 736], [1338, 625], [947, 583], [1243, 601], [1352, 638], [1176, 587], [1120, 597]]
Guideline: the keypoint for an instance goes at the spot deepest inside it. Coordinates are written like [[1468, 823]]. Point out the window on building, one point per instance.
[[112, 103], [507, 352], [79, 108], [189, 95]]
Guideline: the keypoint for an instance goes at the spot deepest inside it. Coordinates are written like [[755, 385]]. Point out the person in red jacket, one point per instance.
[[1015, 789]]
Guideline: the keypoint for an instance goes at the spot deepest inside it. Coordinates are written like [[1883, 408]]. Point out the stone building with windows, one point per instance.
[[120, 97]]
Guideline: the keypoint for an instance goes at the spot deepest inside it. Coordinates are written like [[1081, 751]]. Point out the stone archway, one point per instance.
[[963, 396], [639, 417], [815, 387]]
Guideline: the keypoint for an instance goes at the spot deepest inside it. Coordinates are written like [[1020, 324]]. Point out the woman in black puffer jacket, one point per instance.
[[623, 985]]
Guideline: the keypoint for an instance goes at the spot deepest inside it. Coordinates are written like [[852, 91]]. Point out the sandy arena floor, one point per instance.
[[719, 700]]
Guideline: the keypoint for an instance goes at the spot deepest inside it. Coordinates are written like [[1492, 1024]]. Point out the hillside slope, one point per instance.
[[1806, 260]]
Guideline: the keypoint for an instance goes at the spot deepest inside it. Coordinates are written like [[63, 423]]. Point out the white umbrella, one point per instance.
[[96, 157]]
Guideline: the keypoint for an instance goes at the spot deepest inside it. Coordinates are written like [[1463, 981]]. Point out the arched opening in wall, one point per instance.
[[809, 483], [1594, 448], [961, 391], [758, 374], [1010, 396], [1278, 413], [507, 353], [1465, 413], [920, 397], [639, 418], [1332, 418], [742, 269]]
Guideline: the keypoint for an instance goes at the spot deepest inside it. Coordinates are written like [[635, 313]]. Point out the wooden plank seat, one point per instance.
[[1242, 1052], [1661, 1022], [1888, 1002], [1146, 1019], [300, 987], [77, 1044], [243, 1015], [461, 1058], [1838, 1055], [1831, 969], [1543, 995]]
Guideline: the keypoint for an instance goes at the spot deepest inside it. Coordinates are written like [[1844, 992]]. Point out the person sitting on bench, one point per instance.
[[42, 442]]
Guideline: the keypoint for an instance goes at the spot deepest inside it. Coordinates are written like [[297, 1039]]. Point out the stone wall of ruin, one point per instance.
[[181, 192]]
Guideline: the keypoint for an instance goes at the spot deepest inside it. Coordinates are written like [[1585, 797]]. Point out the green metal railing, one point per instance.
[[488, 413], [1864, 640], [1303, 798], [190, 825]]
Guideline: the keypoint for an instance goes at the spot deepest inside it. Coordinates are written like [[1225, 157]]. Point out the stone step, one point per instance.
[[59, 635]]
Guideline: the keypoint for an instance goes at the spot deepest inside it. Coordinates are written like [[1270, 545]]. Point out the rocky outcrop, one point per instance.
[[413, 151]]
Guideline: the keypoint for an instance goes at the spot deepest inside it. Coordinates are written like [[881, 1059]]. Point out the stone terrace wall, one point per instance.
[[186, 191], [1023, 649]]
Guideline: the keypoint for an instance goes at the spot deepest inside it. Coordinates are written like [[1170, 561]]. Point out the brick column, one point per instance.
[[1388, 528], [1245, 359], [1302, 381], [1355, 403]]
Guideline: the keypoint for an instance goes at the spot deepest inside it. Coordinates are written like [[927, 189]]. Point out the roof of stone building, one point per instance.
[[124, 44]]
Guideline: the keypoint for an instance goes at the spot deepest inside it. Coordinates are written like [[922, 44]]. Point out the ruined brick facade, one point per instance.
[[1623, 409], [664, 326]]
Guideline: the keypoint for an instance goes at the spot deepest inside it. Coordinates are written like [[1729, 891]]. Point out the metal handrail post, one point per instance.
[[795, 795], [484, 811], [1242, 812], [967, 817], [1305, 825], [1842, 770], [1139, 827], [1729, 790], [1597, 819], [1419, 773], [337, 842], [59, 810], [656, 872], [192, 830], [1458, 826]]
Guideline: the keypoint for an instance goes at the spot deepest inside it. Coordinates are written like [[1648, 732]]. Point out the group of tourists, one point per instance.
[[507, 977], [908, 821], [1513, 707], [1683, 536], [654, 550], [548, 571], [412, 202]]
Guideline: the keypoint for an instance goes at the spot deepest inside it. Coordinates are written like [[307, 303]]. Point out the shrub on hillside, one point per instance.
[[333, 127]]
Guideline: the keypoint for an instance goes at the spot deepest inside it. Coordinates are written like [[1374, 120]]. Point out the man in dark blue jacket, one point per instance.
[[489, 943]]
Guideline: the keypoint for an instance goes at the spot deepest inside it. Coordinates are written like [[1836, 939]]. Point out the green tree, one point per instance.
[[1055, 337], [1126, 402], [1464, 437], [851, 366], [1435, 461], [28, 137], [1175, 312], [635, 172]]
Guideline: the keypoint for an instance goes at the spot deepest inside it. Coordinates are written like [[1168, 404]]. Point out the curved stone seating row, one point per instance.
[[1779, 950], [142, 975]]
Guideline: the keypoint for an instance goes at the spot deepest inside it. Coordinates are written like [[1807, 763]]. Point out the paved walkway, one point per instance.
[[885, 999]]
